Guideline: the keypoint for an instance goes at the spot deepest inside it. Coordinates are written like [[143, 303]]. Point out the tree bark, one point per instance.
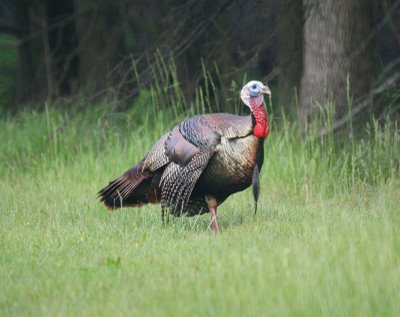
[[337, 50], [63, 44], [47, 58], [30, 77], [100, 37], [290, 51]]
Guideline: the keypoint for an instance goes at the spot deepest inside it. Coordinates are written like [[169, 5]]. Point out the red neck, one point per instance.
[[261, 128]]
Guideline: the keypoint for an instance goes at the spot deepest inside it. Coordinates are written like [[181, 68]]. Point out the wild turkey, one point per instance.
[[201, 162]]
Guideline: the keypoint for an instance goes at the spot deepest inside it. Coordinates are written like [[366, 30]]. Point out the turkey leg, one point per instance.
[[212, 206]]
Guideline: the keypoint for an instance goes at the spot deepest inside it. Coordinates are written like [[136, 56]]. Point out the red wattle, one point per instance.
[[261, 132], [261, 128]]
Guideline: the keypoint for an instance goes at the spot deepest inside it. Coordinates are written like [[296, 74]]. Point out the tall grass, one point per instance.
[[326, 239]]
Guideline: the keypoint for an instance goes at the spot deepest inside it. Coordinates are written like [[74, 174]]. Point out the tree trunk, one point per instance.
[[47, 50], [30, 50], [63, 46], [99, 33], [290, 51], [336, 51]]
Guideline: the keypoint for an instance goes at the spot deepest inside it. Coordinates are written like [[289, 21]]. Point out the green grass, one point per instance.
[[325, 241]]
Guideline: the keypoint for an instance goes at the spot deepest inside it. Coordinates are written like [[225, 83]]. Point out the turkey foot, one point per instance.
[[212, 205]]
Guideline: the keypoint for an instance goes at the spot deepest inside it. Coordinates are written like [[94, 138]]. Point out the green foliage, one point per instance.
[[325, 241]]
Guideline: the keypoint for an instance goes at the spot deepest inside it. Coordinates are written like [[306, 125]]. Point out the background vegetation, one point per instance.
[[308, 51], [87, 87]]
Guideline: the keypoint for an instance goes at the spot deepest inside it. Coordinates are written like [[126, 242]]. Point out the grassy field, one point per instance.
[[325, 241]]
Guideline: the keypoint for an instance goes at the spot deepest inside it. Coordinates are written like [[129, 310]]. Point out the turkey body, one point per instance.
[[199, 163], [212, 154], [231, 168]]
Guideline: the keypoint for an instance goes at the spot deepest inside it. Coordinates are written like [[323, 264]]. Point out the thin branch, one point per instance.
[[388, 84], [391, 22]]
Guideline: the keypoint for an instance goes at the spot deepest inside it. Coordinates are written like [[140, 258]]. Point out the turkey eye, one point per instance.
[[254, 86]]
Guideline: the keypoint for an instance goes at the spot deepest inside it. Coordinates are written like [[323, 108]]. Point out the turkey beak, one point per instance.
[[266, 90]]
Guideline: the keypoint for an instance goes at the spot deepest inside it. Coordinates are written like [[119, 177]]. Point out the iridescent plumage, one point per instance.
[[198, 164]]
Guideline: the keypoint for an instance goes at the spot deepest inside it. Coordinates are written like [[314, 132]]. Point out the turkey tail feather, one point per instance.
[[134, 188]]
